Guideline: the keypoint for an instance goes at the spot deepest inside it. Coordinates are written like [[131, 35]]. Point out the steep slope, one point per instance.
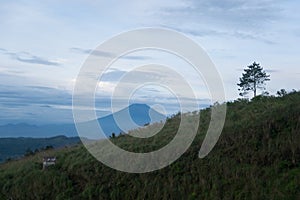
[[256, 157]]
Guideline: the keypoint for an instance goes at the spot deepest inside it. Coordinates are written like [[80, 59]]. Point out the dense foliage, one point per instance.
[[254, 78], [256, 157]]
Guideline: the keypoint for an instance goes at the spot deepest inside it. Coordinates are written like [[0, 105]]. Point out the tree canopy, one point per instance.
[[253, 78]]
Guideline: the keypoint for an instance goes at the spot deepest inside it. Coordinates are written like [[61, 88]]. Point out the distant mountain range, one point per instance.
[[16, 139], [141, 114]]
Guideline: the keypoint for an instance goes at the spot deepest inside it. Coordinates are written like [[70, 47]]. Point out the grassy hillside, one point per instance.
[[257, 157]]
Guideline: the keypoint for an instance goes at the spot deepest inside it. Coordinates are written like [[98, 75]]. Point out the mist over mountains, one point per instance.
[[16, 139], [139, 113]]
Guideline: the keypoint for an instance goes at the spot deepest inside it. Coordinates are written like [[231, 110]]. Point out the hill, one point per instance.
[[12, 148], [138, 112], [256, 157]]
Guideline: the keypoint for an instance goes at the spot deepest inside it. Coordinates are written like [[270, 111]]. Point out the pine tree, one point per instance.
[[253, 78]]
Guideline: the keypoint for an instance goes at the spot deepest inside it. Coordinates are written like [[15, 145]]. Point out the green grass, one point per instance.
[[256, 157]]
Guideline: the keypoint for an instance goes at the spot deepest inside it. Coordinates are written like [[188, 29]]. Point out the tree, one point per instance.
[[48, 147], [29, 152], [253, 78], [281, 92]]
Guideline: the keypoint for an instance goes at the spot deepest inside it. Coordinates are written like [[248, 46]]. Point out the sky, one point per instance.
[[44, 44]]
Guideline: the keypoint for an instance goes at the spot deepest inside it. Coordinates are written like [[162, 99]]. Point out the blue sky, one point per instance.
[[43, 44]]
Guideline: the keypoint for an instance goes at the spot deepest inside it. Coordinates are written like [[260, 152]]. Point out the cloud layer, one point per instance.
[[43, 45], [28, 58]]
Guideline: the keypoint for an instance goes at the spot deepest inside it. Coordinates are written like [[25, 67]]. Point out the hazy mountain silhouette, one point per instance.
[[140, 114], [17, 147]]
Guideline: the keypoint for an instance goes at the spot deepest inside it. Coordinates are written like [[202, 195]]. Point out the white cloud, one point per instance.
[[234, 32]]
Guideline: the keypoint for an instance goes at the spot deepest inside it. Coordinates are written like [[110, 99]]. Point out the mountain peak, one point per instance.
[[138, 107]]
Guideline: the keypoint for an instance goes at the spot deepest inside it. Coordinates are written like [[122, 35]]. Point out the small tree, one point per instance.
[[282, 92], [29, 152], [252, 79]]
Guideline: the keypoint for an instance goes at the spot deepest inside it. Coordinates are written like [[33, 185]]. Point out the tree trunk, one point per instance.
[[255, 88]]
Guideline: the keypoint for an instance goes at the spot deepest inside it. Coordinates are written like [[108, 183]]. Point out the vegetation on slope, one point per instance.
[[256, 157]]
